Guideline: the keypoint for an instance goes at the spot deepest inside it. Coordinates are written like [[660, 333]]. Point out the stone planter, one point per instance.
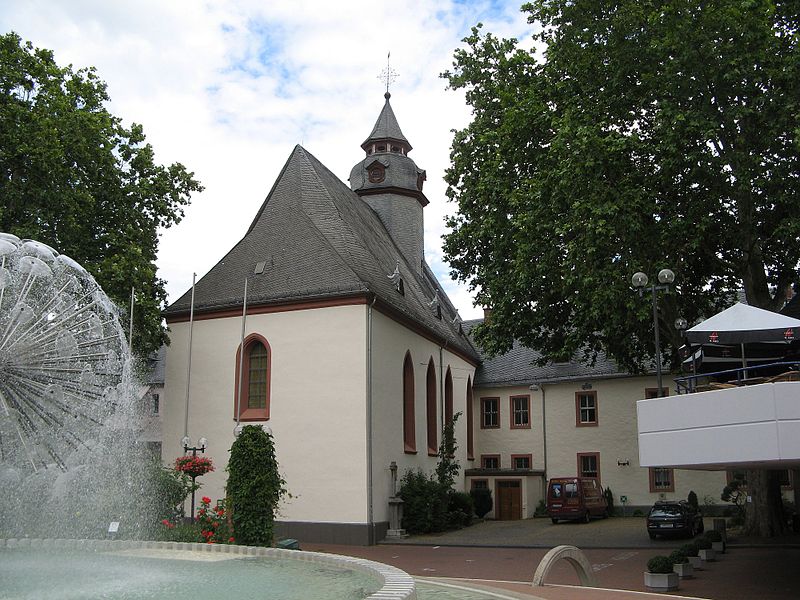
[[718, 547], [684, 570], [707, 555], [660, 582], [696, 562]]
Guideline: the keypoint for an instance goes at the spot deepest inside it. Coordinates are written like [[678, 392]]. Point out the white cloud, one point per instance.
[[228, 88]]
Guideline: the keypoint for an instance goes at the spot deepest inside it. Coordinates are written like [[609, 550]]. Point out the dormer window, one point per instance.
[[420, 180], [395, 148], [382, 148]]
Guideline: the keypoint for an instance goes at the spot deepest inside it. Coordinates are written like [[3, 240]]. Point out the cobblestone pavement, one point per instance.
[[505, 554]]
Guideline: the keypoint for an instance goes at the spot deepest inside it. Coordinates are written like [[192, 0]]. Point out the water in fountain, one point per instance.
[[69, 461]]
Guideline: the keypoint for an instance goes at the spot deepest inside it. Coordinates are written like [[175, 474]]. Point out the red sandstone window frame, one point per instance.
[[409, 421], [513, 412], [484, 457], [581, 472], [430, 409], [514, 458], [579, 422], [245, 413], [484, 401], [651, 471]]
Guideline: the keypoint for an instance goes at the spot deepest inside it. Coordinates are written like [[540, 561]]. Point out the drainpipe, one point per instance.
[[370, 500], [535, 387]]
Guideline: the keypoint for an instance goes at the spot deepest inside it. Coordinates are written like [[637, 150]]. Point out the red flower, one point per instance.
[[206, 500], [231, 540]]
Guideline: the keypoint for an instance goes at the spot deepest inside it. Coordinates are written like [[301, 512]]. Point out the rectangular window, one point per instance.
[[589, 464], [479, 484], [155, 403], [662, 480], [585, 409], [520, 412], [521, 462], [650, 393], [490, 413], [490, 461]]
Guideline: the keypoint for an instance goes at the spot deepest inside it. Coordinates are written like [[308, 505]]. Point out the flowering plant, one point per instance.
[[194, 466], [214, 525]]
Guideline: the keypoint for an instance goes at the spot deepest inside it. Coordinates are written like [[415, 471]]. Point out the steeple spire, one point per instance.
[[386, 130]]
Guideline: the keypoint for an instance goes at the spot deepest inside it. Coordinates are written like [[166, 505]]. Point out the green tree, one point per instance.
[[645, 135], [72, 176], [255, 486]]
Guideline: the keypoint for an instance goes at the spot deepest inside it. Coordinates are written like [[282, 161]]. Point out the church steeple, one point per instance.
[[386, 130], [389, 181]]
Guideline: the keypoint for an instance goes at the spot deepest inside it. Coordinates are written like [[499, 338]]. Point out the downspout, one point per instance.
[[544, 441], [370, 500]]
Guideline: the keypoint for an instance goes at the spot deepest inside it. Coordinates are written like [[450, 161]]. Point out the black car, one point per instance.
[[674, 519]]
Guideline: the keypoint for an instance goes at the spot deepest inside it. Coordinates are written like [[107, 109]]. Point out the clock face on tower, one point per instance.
[[377, 173]]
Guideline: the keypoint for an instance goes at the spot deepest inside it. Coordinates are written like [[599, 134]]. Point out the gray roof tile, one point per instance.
[[386, 127], [318, 239]]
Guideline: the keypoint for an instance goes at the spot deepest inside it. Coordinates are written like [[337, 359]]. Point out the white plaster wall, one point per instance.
[[739, 425], [318, 399], [615, 438], [390, 343], [504, 440]]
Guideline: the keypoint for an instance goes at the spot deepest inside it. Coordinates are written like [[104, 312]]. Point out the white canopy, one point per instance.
[[741, 324]]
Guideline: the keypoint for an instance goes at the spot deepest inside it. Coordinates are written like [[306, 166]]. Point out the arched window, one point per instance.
[[409, 437], [470, 442], [430, 404], [256, 373], [448, 397]]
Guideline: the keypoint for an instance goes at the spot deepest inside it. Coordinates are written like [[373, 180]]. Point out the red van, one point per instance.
[[575, 498]]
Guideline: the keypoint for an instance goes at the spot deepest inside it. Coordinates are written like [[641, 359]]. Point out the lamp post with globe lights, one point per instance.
[[201, 446], [665, 278]]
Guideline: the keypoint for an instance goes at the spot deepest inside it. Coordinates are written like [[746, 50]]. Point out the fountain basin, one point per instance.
[[138, 570]]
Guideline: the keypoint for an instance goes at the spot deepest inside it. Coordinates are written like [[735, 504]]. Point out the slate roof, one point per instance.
[[517, 367], [318, 239], [386, 127]]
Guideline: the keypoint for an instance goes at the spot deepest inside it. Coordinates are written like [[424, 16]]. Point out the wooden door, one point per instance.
[[509, 500]]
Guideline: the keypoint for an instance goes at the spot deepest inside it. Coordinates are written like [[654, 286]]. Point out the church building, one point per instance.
[[351, 353]]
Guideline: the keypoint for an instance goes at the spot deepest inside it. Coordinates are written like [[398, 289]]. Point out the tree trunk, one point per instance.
[[764, 509]]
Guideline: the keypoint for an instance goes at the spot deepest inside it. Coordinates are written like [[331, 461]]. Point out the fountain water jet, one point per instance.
[[67, 407]]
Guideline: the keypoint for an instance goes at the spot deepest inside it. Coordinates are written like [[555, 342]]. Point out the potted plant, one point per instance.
[[717, 543], [681, 564], [691, 550], [659, 576], [704, 550]]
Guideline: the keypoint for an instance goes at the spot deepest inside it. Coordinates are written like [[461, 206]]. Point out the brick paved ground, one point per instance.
[[618, 549]]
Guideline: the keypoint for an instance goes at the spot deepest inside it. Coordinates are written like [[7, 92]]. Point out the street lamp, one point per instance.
[[201, 446], [639, 281]]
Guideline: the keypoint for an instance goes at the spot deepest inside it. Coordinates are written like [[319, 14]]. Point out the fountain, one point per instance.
[[70, 463]]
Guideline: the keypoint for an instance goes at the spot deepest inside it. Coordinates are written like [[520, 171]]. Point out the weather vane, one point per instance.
[[388, 75]]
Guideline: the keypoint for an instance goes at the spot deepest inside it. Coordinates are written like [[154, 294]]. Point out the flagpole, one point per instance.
[[241, 358], [189, 362]]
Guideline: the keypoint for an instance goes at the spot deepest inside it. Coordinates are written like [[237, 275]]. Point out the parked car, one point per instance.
[[575, 498], [669, 518]]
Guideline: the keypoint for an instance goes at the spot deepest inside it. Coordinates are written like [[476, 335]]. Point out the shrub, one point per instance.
[[659, 564], [482, 499], [255, 486], [460, 509], [541, 509], [609, 496], [692, 499], [425, 503], [703, 543], [678, 557], [689, 549]]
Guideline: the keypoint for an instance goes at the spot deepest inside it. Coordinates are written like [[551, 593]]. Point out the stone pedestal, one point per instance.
[[396, 518]]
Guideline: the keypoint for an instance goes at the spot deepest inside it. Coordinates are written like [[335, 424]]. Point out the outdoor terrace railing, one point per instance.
[[730, 378]]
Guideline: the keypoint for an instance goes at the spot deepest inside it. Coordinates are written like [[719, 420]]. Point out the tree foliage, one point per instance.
[[72, 176], [644, 135], [255, 486]]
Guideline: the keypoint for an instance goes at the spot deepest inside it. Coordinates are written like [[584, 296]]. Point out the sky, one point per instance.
[[229, 88]]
